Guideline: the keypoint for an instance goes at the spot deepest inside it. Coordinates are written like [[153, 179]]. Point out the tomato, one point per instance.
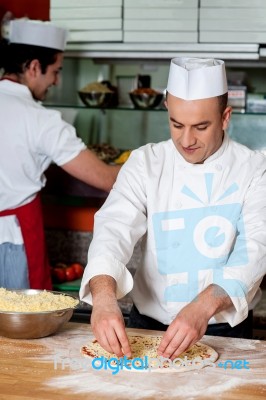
[[62, 272], [70, 273], [78, 268], [59, 274]]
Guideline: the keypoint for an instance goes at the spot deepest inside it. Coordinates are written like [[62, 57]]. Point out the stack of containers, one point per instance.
[[161, 21], [89, 21], [232, 21]]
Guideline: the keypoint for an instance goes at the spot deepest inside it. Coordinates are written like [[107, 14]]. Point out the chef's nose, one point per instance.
[[188, 138]]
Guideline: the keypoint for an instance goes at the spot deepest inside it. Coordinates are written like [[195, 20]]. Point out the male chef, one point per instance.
[[31, 138], [198, 203]]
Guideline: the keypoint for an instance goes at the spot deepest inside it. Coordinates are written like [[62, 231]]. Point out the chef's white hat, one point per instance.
[[37, 33], [196, 78]]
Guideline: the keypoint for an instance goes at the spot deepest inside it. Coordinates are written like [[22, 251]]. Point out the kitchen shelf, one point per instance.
[[108, 52], [122, 108], [128, 108]]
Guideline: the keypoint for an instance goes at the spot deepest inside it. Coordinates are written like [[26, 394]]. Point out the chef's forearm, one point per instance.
[[213, 300], [87, 167], [103, 289]]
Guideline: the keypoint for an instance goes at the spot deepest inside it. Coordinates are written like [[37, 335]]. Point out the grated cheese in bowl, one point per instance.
[[34, 301]]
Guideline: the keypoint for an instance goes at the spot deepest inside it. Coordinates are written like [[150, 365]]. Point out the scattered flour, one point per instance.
[[131, 386]]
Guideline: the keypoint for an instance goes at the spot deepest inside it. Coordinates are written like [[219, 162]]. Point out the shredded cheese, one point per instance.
[[43, 301]]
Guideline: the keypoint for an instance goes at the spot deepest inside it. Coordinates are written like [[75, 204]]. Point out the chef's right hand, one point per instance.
[[106, 319]]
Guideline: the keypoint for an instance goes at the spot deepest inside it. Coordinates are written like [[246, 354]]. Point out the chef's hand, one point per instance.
[[191, 322], [186, 329], [107, 320]]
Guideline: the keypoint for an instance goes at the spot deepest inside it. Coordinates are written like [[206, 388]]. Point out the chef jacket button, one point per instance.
[[218, 167], [178, 204]]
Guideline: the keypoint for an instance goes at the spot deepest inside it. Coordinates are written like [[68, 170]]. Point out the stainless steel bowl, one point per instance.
[[96, 99], [33, 325], [146, 100]]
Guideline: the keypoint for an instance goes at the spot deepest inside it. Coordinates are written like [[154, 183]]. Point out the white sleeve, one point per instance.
[[242, 281], [117, 227], [57, 138]]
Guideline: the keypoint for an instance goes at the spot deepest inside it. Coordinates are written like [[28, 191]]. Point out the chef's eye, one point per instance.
[[202, 127], [177, 126]]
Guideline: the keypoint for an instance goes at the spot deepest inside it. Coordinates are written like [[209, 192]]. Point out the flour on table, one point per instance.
[[125, 386]]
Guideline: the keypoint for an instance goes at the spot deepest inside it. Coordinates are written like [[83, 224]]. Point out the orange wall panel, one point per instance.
[[67, 217]]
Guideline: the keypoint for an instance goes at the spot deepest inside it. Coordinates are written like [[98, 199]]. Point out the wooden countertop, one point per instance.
[[52, 368]]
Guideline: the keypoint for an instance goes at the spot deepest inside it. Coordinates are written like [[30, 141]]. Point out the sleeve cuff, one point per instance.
[[106, 265], [237, 292]]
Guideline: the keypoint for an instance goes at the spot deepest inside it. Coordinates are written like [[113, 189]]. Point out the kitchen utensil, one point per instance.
[[96, 99], [146, 100]]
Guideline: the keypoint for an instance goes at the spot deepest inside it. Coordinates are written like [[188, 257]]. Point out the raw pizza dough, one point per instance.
[[196, 357]]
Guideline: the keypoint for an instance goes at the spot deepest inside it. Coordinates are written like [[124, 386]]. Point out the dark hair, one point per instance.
[[14, 58], [222, 101]]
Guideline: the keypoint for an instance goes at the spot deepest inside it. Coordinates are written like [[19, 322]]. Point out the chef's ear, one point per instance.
[[226, 117], [34, 68], [165, 100]]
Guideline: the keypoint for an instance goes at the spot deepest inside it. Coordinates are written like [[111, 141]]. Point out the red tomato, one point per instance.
[[70, 274], [78, 268], [59, 274]]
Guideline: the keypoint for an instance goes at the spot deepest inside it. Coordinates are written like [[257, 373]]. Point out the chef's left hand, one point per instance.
[[191, 322], [186, 329]]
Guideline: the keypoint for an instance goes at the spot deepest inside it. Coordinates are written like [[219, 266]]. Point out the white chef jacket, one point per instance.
[[31, 138], [200, 223]]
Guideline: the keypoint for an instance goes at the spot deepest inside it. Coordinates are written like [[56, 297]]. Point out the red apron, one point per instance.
[[31, 224]]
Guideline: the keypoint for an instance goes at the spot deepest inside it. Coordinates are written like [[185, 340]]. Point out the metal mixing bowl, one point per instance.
[[96, 99], [33, 325], [146, 100]]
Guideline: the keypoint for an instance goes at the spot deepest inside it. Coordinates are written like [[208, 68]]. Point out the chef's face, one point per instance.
[[45, 80], [196, 126]]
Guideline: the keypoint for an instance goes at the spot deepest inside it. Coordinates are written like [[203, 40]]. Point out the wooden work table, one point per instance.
[[52, 368]]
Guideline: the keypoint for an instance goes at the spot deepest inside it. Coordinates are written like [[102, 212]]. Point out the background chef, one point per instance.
[[31, 138], [198, 203]]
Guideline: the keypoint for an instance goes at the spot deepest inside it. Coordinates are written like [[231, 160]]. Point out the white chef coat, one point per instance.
[[200, 223], [31, 137]]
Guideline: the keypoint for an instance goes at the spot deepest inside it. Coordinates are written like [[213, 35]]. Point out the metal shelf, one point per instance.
[[117, 108], [128, 108]]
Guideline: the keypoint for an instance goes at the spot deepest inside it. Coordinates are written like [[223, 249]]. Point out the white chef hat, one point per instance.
[[37, 33], [196, 78]]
